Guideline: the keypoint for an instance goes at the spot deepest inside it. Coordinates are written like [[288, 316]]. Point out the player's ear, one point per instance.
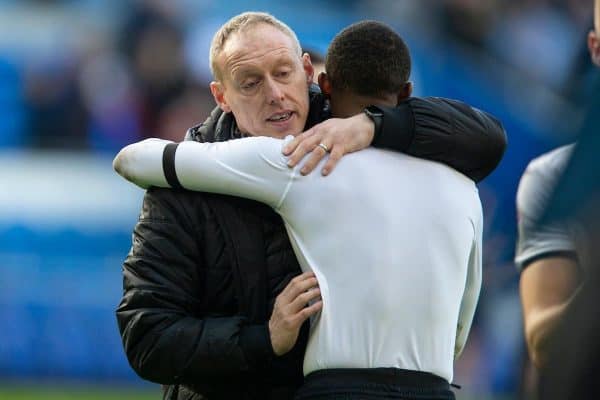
[[405, 92], [309, 70], [218, 91], [324, 84]]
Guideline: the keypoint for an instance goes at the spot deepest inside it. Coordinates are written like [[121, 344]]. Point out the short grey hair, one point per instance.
[[238, 24]]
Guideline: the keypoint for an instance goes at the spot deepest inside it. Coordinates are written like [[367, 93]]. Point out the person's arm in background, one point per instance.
[[546, 256], [547, 286], [448, 131], [470, 297]]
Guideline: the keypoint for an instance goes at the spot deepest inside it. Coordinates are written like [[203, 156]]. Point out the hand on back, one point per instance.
[[291, 309]]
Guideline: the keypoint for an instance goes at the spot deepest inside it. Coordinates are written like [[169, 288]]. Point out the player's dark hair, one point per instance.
[[369, 59]]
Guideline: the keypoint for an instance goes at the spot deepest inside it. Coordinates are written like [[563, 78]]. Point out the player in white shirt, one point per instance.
[[394, 241]]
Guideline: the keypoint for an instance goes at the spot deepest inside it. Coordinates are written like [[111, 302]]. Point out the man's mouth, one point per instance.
[[280, 117]]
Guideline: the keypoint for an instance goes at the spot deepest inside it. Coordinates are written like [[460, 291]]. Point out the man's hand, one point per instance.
[[339, 135], [291, 310]]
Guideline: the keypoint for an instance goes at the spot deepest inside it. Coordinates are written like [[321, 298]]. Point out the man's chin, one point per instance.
[[281, 132]]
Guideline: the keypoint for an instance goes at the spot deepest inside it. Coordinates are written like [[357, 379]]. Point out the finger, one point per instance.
[[336, 154], [295, 321], [316, 156], [309, 311], [303, 299], [291, 146], [303, 276], [302, 150], [298, 288], [299, 284], [306, 146]]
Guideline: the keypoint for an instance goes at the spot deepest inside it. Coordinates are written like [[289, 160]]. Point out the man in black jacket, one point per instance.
[[209, 306]]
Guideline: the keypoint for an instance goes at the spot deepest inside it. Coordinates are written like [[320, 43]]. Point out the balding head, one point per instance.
[[238, 25]]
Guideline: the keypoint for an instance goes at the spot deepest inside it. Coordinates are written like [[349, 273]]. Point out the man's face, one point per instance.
[[264, 82]]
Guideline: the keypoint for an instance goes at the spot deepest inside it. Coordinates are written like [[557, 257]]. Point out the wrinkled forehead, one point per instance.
[[255, 44]]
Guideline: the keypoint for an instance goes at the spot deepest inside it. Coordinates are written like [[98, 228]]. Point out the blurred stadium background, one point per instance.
[[81, 78]]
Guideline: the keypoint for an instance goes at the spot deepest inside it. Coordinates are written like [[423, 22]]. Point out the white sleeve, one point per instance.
[[254, 168], [141, 163], [472, 289]]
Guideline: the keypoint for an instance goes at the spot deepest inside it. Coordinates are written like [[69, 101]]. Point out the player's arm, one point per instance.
[[546, 257], [448, 131], [253, 168], [470, 298], [547, 286]]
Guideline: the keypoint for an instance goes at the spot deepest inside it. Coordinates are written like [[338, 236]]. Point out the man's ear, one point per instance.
[[324, 84], [405, 92], [218, 92], [594, 47], [309, 70]]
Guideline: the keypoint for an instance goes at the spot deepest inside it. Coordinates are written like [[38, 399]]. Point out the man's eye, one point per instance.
[[249, 84], [282, 74]]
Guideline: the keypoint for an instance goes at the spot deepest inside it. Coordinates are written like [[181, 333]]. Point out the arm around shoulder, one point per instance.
[[448, 131]]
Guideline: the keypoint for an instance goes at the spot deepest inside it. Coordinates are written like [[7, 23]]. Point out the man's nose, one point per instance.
[[275, 93]]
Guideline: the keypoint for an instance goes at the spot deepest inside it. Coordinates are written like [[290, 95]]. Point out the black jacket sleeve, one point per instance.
[[448, 131], [166, 338]]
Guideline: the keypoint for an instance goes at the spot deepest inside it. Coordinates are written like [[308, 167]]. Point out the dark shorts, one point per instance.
[[373, 383]]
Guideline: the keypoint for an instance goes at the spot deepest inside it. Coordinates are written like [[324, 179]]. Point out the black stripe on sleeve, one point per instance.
[[168, 163]]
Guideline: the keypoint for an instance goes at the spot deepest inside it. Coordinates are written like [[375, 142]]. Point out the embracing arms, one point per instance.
[[448, 131], [177, 319], [253, 167]]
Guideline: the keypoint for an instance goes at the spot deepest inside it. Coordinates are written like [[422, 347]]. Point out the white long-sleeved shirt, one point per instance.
[[394, 241]]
